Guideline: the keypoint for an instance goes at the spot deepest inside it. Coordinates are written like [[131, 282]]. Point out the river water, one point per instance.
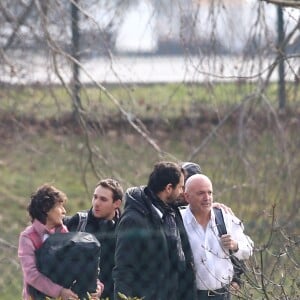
[[145, 69]]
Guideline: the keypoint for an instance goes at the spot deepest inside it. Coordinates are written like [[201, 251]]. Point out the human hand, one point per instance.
[[93, 296], [226, 208], [234, 288], [67, 294], [229, 243], [99, 291]]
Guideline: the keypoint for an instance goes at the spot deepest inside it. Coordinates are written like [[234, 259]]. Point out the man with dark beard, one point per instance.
[[153, 259]]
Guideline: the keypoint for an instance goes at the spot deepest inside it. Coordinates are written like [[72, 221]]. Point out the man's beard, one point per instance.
[[180, 201]]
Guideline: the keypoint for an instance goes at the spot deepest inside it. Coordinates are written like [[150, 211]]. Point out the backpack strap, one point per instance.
[[220, 221], [83, 216], [36, 240], [238, 265]]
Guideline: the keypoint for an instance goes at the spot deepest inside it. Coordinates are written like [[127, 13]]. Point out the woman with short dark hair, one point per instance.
[[46, 210]]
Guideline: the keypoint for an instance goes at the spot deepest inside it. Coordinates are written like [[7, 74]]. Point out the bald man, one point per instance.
[[213, 267]]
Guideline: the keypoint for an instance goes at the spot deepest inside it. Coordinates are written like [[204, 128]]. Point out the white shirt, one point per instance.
[[212, 263]]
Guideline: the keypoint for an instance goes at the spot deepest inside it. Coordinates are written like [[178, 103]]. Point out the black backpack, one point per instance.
[[239, 266], [71, 260]]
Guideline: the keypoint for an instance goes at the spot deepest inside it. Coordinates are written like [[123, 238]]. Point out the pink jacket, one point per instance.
[[27, 259]]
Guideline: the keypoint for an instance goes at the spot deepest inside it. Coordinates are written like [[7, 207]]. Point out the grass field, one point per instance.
[[248, 148]]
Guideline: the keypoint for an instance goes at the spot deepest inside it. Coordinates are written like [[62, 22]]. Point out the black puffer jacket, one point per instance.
[[143, 265]]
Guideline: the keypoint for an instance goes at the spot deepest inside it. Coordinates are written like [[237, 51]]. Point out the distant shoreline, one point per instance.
[[38, 69]]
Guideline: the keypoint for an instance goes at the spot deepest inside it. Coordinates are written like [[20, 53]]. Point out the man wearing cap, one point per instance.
[[190, 169], [212, 252]]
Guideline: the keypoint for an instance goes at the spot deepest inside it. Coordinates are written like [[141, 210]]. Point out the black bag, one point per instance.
[[239, 266], [71, 260]]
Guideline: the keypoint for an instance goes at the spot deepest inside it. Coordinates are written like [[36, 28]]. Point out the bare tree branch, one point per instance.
[[20, 21]]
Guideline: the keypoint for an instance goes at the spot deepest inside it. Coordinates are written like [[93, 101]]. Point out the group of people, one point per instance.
[[155, 249]]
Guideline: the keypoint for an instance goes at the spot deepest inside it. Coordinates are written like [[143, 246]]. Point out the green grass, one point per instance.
[[146, 101]]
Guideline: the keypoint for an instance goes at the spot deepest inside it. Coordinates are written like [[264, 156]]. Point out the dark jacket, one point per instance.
[[104, 230], [144, 266]]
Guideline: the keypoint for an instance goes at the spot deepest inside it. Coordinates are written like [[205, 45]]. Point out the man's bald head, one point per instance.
[[195, 180], [199, 194]]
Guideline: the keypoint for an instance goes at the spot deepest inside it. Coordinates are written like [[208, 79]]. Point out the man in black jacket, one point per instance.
[[101, 220], [153, 259]]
